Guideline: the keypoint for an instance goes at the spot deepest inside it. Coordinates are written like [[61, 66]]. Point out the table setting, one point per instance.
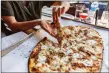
[[17, 59]]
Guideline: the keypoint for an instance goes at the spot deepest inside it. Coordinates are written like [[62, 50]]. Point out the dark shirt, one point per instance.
[[22, 12]]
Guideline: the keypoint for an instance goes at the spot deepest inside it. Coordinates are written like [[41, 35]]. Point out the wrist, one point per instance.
[[38, 21]]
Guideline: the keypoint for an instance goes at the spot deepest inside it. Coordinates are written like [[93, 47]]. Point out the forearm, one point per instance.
[[19, 26], [23, 26]]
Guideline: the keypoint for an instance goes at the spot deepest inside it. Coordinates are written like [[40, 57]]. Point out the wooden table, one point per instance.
[[17, 60]]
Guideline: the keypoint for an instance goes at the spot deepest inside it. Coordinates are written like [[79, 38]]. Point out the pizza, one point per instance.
[[80, 50]]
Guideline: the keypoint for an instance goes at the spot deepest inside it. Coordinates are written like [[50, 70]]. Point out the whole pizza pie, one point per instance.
[[80, 50]]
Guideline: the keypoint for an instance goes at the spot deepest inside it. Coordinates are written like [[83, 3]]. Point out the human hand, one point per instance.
[[56, 13], [48, 27]]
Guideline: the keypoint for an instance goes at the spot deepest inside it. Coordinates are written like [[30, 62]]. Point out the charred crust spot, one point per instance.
[[32, 54], [36, 52], [35, 70]]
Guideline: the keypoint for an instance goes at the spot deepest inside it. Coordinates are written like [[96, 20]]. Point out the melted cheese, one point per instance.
[[68, 51], [44, 47], [56, 49], [56, 58], [39, 65], [78, 39], [67, 31], [75, 47], [45, 69], [88, 62], [77, 55], [41, 58], [94, 57], [64, 41], [55, 64], [65, 59], [64, 68], [92, 33], [68, 44], [98, 49], [91, 42]]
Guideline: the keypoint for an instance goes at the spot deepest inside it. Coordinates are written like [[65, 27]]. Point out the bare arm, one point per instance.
[[17, 26], [24, 26]]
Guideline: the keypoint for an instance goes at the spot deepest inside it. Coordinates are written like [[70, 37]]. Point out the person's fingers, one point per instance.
[[57, 21], [56, 16], [53, 14], [62, 10], [56, 12], [59, 12], [48, 28]]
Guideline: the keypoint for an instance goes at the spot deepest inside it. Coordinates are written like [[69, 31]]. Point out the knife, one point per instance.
[[13, 46]]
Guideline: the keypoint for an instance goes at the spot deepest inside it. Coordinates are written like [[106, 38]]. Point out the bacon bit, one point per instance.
[[68, 68], [67, 71], [99, 55], [94, 37], [74, 67], [48, 60], [76, 34], [60, 65], [80, 65], [86, 57], [67, 36], [43, 65], [85, 32], [70, 42], [87, 52], [70, 27], [81, 48], [70, 54], [59, 69], [79, 32], [96, 63], [65, 48]]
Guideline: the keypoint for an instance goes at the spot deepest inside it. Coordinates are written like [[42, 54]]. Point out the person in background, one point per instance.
[[25, 15]]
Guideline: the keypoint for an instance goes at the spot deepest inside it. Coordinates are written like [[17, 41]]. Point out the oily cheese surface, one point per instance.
[[80, 50]]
